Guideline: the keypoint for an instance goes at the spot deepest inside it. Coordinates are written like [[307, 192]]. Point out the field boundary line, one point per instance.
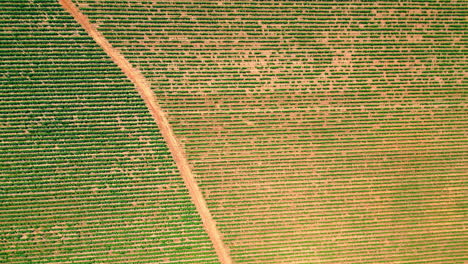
[[158, 115]]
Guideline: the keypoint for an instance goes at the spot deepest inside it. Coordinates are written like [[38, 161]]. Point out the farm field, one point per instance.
[[85, 174], [319, 132]]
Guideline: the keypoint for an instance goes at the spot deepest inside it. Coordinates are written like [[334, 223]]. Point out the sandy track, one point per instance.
[[174, 147]]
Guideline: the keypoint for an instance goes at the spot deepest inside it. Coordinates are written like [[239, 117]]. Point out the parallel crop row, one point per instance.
[[316, 129]]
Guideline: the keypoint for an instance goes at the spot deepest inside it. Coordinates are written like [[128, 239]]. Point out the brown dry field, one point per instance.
[[341, 144]]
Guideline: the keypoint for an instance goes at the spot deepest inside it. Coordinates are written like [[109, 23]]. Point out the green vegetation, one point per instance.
[[85, 176]]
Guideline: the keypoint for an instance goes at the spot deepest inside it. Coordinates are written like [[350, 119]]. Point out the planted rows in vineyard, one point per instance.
[[85, 174], [319, 132]]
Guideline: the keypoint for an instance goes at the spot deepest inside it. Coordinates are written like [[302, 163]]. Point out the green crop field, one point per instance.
[[85, 175], [317, 131]]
